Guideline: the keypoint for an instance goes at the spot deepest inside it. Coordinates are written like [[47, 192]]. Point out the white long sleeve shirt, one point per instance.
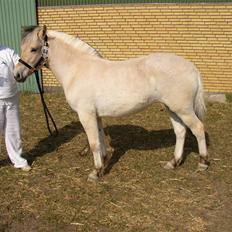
[[8, 59]]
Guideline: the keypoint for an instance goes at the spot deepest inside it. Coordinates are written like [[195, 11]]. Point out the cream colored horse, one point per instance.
[[95, 87]]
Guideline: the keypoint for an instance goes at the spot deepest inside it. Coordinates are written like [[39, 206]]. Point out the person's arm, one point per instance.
[[15, 57]]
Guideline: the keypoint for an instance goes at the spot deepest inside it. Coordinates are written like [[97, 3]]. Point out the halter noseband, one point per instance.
[[43, 59]]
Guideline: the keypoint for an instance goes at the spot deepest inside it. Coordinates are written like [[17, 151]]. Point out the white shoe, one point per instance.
[[26, 168]]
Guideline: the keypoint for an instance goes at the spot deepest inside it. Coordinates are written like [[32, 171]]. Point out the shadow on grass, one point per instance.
[[126, 137], [122, 139], [52, 143], [4, 162]]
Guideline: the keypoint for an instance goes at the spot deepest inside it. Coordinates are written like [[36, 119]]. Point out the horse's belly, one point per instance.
[[122, 107]]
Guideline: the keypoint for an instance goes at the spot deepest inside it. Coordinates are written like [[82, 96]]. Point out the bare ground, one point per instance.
[[136, 194]]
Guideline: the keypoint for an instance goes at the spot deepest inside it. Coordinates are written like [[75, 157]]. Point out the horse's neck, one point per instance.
[[61, 60]]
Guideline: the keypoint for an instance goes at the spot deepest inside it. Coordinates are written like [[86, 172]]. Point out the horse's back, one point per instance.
[[156, 65], [170, 64]]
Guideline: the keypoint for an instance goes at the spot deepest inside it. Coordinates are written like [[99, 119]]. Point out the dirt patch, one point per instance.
[[136, 194]]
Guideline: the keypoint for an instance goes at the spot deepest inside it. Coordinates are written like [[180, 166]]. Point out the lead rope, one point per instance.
[[41, 62], [45, 108]]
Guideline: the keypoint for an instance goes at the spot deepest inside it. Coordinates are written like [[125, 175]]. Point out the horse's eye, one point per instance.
[[33, 50]]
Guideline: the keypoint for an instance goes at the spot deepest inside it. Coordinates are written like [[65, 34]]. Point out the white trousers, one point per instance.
[[10, 128]]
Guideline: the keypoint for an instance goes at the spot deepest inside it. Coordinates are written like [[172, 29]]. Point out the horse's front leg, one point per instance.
[[102, 139], [90, 123]]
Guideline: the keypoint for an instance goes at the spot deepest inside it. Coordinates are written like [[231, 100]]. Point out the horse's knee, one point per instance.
[[98, 148], [180, 132]]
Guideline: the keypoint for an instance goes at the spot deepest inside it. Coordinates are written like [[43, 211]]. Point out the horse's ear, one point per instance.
[[42, 32]]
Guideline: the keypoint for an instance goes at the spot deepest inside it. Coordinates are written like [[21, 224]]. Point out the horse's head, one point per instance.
[[34, 40]]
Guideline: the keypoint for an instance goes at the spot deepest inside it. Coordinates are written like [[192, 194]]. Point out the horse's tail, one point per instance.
[[199, 103]]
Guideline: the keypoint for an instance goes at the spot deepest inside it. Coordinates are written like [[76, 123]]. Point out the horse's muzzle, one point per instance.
[[19, 78]]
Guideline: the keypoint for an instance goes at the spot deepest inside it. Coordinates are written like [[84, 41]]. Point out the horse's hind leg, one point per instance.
[[180, 132], [197, 128], [90, 123]]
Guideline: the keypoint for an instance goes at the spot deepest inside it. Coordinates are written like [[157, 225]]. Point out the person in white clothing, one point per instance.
[[9, 108]]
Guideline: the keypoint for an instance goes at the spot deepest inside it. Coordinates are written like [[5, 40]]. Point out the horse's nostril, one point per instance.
[[17, 77]]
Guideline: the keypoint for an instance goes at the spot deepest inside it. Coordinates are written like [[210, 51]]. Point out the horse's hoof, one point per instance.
[[169, 166], [202, 167], [96, 174], [93, 176]]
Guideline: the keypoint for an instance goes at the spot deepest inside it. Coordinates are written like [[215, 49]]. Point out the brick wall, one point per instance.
[[201, 33]]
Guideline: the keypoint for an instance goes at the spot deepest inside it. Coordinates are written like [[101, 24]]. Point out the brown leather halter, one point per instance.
[[41, 62], [43, 59]]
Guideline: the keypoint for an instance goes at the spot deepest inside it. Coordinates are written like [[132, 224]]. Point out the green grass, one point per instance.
[[136, 194], [229, 97]]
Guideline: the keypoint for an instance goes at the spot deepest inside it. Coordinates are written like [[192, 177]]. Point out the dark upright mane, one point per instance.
[[27, 30]]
